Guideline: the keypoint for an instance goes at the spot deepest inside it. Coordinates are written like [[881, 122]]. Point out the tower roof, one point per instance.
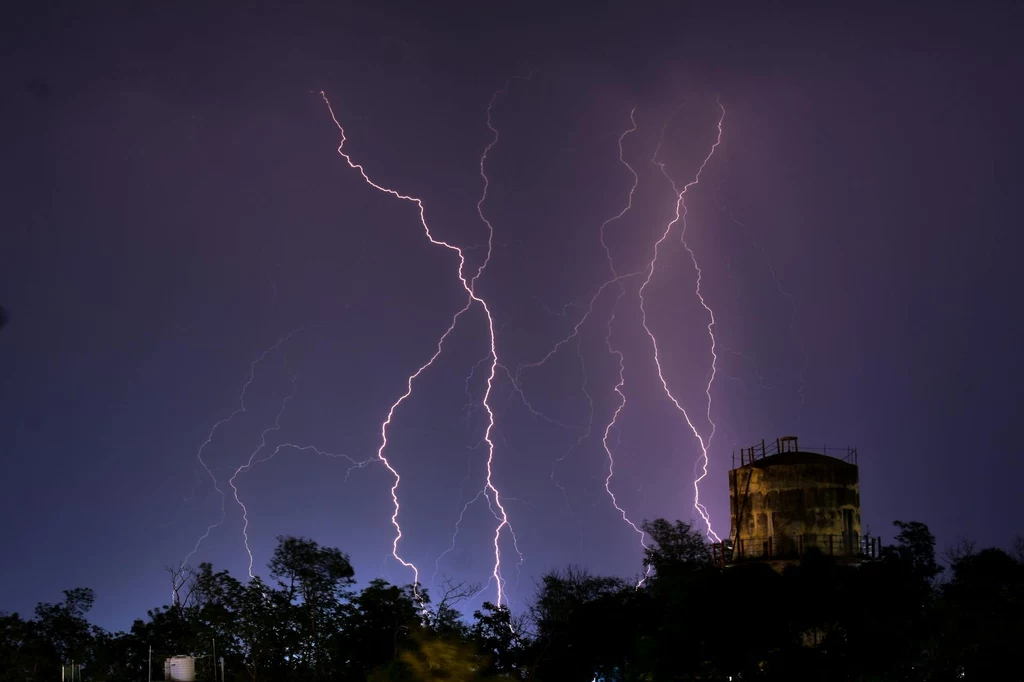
[[787, 451], [797, 457]]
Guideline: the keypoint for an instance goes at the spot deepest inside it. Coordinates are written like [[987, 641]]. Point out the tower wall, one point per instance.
[[798, 499]]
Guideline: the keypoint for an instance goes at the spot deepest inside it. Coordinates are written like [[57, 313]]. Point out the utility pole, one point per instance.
[[150, 663]]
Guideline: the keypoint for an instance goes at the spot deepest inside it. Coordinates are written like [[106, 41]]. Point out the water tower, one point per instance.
[[180, 669], [785, 500]]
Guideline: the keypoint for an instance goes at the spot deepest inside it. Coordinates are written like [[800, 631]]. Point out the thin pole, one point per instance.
[[150, 663]]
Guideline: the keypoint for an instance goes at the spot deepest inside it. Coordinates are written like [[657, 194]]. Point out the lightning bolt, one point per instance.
[[494, 505], [483, 491], [680, 216], [455, 535], [754, 366], [239, 410], [500, 514], [632, 190], [276, 426], [517, 389], [608, 429], [472, 372], [384, 441], [586, 433], [468, 284], [621, 381], [618, 280], [253, 461]]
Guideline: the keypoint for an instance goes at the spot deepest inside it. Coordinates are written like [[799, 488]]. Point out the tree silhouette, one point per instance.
[[816, 618]]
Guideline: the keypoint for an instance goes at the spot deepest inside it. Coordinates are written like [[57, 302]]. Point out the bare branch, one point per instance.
[[452, 593], [183, 586], [963, 548], [444, 615]]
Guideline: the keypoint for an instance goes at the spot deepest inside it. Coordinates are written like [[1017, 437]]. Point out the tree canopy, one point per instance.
[[682, 618]]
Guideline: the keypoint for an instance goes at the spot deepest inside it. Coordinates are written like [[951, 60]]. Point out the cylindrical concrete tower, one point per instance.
[[785, 501]]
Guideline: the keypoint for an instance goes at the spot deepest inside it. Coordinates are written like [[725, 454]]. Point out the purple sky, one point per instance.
[[174, 205]]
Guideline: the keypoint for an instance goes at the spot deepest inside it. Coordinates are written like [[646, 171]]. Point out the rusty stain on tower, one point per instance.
[[785, 501]]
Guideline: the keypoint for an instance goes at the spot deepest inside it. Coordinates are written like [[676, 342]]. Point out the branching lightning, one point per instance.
[[354, 464], [680, 216], [239, 410], [469, 274], [455, 536], [617, 279], [753, 364], [384, 442], [276, 426], [468, 284], [621, 380], [611, 424], [530, 408], [472, 372], [586, 432]]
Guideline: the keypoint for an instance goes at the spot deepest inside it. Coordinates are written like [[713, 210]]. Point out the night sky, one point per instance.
[[174, 204]]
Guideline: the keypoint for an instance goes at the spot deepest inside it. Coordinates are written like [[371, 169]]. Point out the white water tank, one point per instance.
[[181, 668]]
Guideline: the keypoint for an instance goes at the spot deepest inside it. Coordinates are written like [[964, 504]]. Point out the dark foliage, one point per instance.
[[688, 620]]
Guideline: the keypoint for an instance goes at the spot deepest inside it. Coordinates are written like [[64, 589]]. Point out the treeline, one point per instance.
[[901, 618]]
